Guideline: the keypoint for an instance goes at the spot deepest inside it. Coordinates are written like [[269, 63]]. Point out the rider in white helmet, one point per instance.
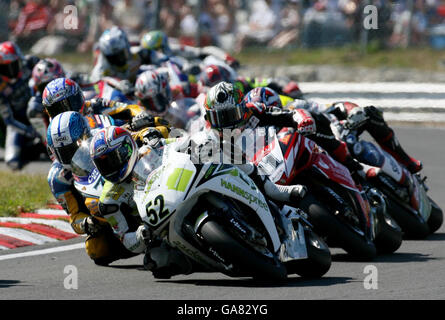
[[115, 58]]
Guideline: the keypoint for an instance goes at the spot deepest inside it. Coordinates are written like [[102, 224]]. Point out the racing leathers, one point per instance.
[[102, 68], [371, 119], [99, 247], [116, 203]]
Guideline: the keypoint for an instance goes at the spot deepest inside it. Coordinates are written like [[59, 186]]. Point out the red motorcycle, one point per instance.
[[348, 216]]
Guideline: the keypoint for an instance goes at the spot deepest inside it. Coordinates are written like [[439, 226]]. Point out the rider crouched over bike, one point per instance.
[[115, 153], [226, 110], [63, 95], [371, 119]]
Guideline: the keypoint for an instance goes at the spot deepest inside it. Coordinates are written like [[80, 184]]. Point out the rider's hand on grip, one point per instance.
[[356, 118], [304, 122], [142, 120], [151, 137]]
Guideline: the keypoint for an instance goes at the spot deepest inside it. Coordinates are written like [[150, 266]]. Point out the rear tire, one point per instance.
[[318, 259], [411, 226], [436, 218], [245, 259], [325, 224]]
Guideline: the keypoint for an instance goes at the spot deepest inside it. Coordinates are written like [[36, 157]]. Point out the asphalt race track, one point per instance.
[[415, 271]]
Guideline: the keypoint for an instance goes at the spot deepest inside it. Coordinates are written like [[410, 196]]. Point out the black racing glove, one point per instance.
[[142, 120]]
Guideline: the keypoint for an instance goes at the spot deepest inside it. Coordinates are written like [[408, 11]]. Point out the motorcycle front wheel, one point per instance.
[[412, 226], [436, 218], [318, 260], [389, 236], [327, 225], [245, 259]]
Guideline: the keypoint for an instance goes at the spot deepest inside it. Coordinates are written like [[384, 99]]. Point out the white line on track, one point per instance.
[[380, 87], [383, 102], [42, 252]]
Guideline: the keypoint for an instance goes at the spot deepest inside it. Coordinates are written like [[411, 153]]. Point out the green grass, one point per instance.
[[422, 58], [27, 191], [414, 58], [75, 58]]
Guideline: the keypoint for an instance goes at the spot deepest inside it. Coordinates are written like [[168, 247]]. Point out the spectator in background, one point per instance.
[[32, 22], [419, 24], [130, 16], [400, 18], [172, 12], [352, 11], [261, 26], [290, 24], [99, 14]]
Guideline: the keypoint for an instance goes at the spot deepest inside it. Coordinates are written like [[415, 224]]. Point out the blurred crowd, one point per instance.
[[230, 24]]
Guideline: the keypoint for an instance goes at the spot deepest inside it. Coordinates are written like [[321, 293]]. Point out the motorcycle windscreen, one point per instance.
[[151, 160], [81, 163], [87, 178]]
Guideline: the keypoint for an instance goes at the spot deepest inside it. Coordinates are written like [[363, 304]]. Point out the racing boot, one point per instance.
[[393, 147], [165, 261], [386, 138]]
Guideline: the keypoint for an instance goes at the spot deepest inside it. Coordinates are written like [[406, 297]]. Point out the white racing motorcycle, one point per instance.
[[215, 214]]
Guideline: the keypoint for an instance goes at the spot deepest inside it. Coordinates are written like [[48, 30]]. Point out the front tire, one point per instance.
[[390, 236], [436, 218], [325, 224], [318, 260], [245, 259], [412, 227]]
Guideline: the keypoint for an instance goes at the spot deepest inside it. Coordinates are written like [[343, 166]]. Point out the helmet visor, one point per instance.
[[65, 154], [113, 164], [118, 59], [159, 103], [226, 118], [71, 103], [10, 70]]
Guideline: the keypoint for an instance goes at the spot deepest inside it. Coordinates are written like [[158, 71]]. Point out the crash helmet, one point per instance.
[[114, 45], [224, 106], [156, 40], [153, 91], [65, 134], [213, 74], [264, 95], [45, 71], [11, 59], [114, 153], [62, 94]]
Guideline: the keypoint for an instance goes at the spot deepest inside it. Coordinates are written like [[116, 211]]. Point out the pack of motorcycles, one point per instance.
[[216, 215]]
